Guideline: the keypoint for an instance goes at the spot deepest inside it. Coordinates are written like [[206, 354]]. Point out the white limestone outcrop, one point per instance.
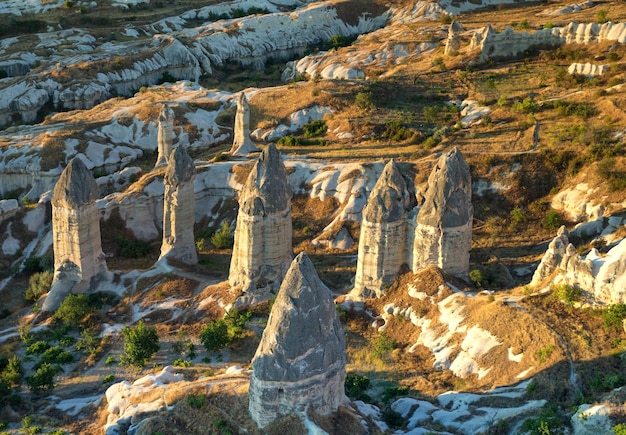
[[383, 237], [443, 233], [301, 359], [78, 255], [179, 209], [165, 135], [242, 144], [262, 250], [601, 276], [453, 43], [587, 69]]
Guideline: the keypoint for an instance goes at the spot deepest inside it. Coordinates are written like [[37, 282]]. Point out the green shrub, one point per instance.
[[110, 360], [364, 100], [132, 248], [476, 276], [222, 332], [528, 105], [37, 348], [73, 309], [602, 16], [289, 140], [566, 293], [88, 342], [37, 264], [613, 317], [43, 378], [315, 128], [383, 345], [395, 131], [140, 343], [54, 355], [38, 284], [518, 216], [196, 400], [13, 372], [544, 353], [619, 429], [337, 41], [179, 362], [553, 220], [356, 385], [108, 378], [223, 238]]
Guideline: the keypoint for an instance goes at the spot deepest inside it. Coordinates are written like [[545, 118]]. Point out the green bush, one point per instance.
[[395, 131], [476, 276], [54, 355], [73, 309], [140, 343], [613, 317], [13, 373], [315, 128], [289, 140], [132, 248], [37, 348], [383, 345], [196, 400], [364, 100], [518, 216], [88, 342], [553, 220], [43, 378], [222, 332], [223, 238], [337, 41], [179, 362], [356, 385], [38, 284], [108, 378], [528, 105], [619, 429], [566, 293]]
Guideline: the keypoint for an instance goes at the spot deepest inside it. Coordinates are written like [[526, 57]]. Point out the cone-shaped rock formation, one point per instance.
[[178, 209], [242, 144], [301, 359], [443, 234], [262, 249], [382, 243], [165, 135], [76, 232]]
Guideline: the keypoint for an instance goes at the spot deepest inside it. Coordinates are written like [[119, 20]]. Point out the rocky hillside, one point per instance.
[[529, 338]]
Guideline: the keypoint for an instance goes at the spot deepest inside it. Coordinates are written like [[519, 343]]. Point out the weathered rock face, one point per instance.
[[382, 242], [262, 249], [453, 43], [443, 233], [178, 205], [78, 253], [242, 144], [552, 258], [165, 135], [602, 276], [587, 69], [301, 359]]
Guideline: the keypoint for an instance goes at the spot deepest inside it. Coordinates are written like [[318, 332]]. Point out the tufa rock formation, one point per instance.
[[165, 135], [301, 359], [453, 43], [443, 233], [78, 253], [242, 144], [262, 249], [178, 209], [602, 276], [382, 243]]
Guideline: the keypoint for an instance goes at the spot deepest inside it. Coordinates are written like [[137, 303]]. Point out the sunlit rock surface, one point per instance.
[[262, 248], [242, 144], [179, 206], [443, 234], [301, 360]]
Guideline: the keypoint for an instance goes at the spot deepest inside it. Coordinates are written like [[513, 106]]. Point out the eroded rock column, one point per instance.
[[165, 135], [242, 144], [77, 246], [301, 360], [262, 248], [178, 209], [443, 233], [382, 242]]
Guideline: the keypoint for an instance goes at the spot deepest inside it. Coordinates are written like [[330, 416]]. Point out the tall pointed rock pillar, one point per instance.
[[242, 144], [262, 249], [165, 135], [382, 243], [301, 359], [178, 209], [78, 255], [443, 233]]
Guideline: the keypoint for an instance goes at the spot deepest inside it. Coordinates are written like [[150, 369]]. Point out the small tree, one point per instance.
[[73, 309], [223, 238], [13, 372], [38, 284], [140, 343], [43, 378]]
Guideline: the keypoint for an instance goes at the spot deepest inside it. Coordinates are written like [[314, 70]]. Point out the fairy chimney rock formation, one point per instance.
[[552, 258], [165, 135], [443, 233], [178, 209], [78, 255], [242, 144], [453, 42], [382, 243], [262, 248], [301, 359]]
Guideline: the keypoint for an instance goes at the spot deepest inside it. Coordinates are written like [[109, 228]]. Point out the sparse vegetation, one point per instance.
[[223, 238]]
